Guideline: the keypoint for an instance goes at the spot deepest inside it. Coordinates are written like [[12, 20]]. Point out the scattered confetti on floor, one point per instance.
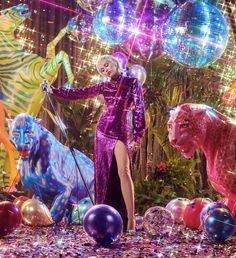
[[72, 241]]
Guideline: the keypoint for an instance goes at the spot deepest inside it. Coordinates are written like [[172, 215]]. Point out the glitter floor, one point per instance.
[[73, 242]]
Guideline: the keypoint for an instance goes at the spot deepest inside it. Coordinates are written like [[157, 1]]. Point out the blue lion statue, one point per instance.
[[47, 167]]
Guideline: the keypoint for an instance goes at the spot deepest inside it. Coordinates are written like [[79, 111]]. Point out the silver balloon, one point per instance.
[[36, 213], [158, 220], [138, 72]]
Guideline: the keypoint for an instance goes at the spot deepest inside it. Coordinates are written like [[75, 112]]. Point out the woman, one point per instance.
[[113, 182]]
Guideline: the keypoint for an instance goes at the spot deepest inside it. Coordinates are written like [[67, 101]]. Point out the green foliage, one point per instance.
[[170, 86]]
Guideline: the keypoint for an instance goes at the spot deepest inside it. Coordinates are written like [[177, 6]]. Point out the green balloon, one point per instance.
[[80, 209]]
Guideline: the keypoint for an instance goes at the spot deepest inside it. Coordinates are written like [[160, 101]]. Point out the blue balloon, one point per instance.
[[195, 34], [80, 210], [103, 223], [115, 22], [209, 207], [219, 225]]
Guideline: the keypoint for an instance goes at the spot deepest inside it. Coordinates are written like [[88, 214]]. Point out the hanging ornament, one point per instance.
[[91, 5], [80, 27], [195, 34], [145, 42], [115, 22]]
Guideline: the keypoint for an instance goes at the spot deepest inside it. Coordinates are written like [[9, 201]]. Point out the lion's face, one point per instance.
[[183, 132], [23, 134]]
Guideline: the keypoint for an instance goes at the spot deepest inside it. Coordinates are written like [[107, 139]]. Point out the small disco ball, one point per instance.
[[115, 22], [195, 34]]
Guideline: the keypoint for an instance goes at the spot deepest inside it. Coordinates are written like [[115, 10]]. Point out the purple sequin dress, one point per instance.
[[120, 96]]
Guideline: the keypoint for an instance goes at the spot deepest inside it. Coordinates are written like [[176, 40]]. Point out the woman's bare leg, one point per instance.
[[127, 186]]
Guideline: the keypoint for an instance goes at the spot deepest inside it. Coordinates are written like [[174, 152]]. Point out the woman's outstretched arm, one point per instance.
[[78, 93]]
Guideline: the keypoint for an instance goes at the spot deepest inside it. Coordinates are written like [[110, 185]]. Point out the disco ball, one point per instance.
[[115, 22], [195, 34]]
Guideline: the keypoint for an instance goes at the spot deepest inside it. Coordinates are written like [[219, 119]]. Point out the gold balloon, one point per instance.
[[36, 213]]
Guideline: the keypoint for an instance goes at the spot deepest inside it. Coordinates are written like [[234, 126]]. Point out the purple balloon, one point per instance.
[[121, 58], [209, 207], [103, 223]]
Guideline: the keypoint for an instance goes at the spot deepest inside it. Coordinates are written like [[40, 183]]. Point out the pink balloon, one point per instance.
[[177, 207]]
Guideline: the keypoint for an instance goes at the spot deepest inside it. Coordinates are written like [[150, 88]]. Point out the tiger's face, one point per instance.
[[23, 133], [184, 130], [12, 17]]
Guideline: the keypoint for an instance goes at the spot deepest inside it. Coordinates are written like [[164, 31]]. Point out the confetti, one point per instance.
[[72, 241]]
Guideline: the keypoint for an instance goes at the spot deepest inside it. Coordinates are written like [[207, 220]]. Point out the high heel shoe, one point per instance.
[[131, 225]]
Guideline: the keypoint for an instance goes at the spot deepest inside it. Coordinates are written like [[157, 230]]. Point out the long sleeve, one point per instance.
[[138, 111], [79, 93]]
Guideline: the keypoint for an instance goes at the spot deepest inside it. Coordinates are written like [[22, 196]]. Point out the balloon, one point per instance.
[[103, 223], [158, 220], [91, 5], [35, 213], [192, 212], [79, 210], [122, 59], [138, 72], [219, 224], [19, 201], [195, 34], [80, 28], [209, 207], [115, 22], [177, 208], [145, 42], [10, 218], [139, 223]]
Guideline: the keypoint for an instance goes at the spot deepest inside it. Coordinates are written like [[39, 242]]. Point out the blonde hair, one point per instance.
[[111, 59]]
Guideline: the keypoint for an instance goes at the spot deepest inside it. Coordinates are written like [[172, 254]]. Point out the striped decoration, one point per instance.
[[21, 73]]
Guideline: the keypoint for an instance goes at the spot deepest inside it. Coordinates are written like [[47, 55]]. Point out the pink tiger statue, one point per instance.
[[196, 125]]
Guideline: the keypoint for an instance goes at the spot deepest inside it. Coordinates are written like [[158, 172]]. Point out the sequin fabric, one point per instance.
[[121, 95]]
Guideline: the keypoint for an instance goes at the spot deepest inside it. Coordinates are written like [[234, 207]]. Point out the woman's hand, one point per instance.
[[46, 87], [134, 146]]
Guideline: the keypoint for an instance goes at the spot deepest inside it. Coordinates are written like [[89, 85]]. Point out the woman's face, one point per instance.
[[107, 68]]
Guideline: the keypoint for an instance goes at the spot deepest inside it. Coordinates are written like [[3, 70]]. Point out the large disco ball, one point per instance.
[[195, 34], [158, 220], [91, 5], [115, 22], [145, 42]]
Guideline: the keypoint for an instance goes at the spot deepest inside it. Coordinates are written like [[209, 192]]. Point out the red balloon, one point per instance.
[[19, 201], [192, 212], [10, 218]]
